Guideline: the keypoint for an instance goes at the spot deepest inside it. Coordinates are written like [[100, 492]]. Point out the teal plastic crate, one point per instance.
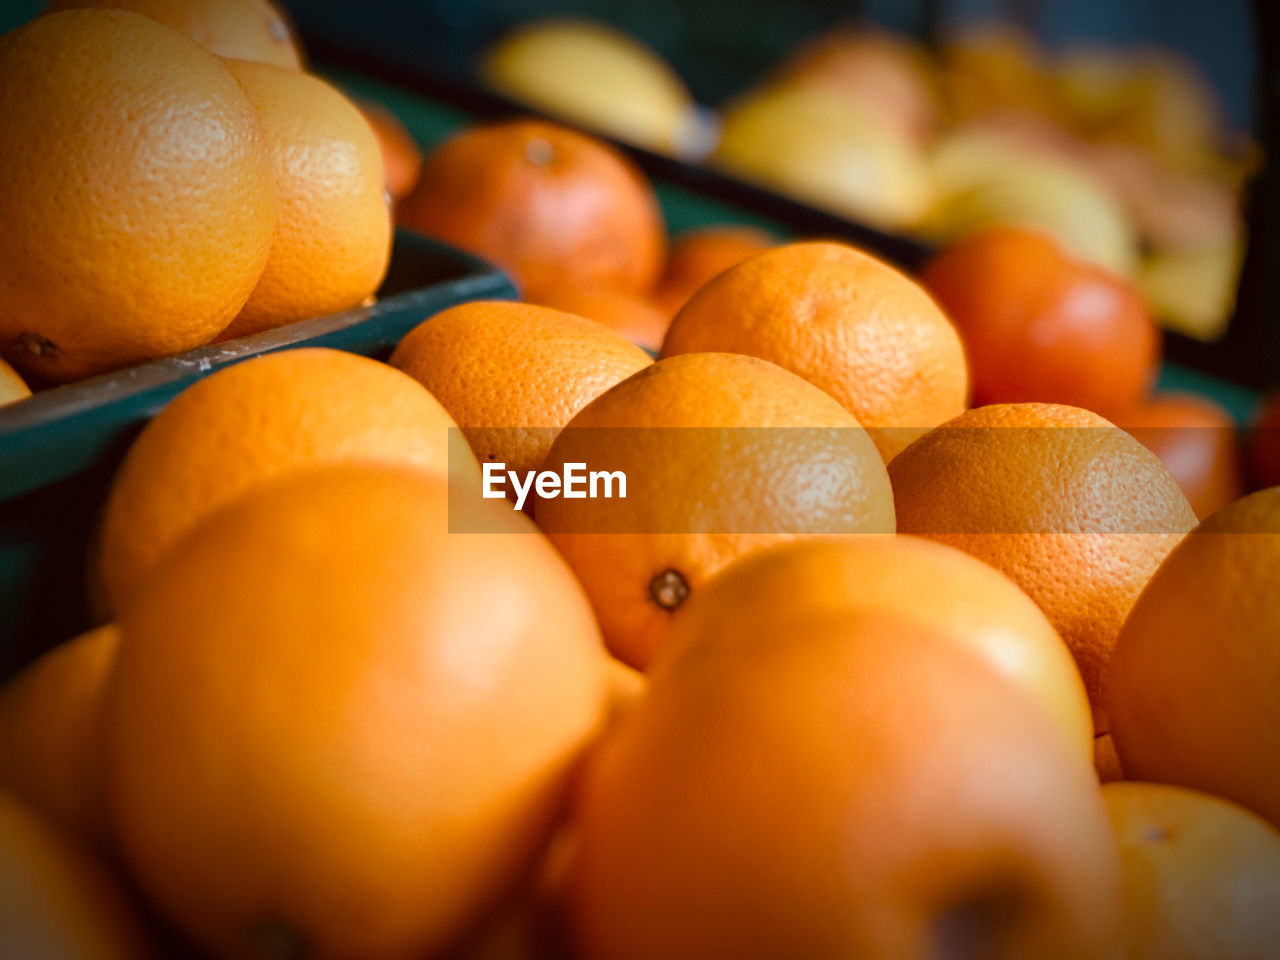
[[60, 447]]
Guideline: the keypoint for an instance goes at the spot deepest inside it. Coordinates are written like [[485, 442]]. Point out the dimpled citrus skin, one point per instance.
[[1076, 512], [513, 365], [251, 422], [138, 197], [698, 498], [551, 206], [1200, 876], [849, 786], [50, 728], [843, 320], [1193, 681], [55, 900], [333, 238], [336, 727], [242, 29], [973, 603]]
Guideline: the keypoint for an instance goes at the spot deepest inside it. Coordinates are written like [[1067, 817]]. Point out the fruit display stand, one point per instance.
[[439, 53], [432, 106], [58, 449]]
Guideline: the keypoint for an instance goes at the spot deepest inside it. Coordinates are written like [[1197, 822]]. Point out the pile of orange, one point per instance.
[[835, 662], [171, 175]]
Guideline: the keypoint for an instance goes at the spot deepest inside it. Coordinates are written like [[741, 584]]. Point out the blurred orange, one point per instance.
[[401, 158], [553, 207], [1040, 326], [1196, 439], [639, 320], [1191, 687], [838, 787], [50, 731], [700, 255], [1200, 877]]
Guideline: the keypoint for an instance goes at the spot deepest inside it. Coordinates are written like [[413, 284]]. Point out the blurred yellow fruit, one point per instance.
[[994, 67], [1193, 292], [1088, 84], [1041, 194], [593, 75], [885, 74], [974, 154], [1167, 107], [1171, 209], [1145, 98], [12, 386], [812, 144]]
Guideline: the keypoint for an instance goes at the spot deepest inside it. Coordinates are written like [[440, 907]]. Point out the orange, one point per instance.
[[401, 158], [251, 422], [333, 238], [843, 320], [964, 599], [138, 197], [361, 745], [1192, 685], [633, 316], [697, 256], [12, 386], [627, 687], [56, 901], [1264, 443], [50, 723], [1041, 326], [722, 454], [1106, 762], [1195, 437], [238, 29], [513, 374], [1200, 876], [552, 207], [855, 786], [1074, 510]]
